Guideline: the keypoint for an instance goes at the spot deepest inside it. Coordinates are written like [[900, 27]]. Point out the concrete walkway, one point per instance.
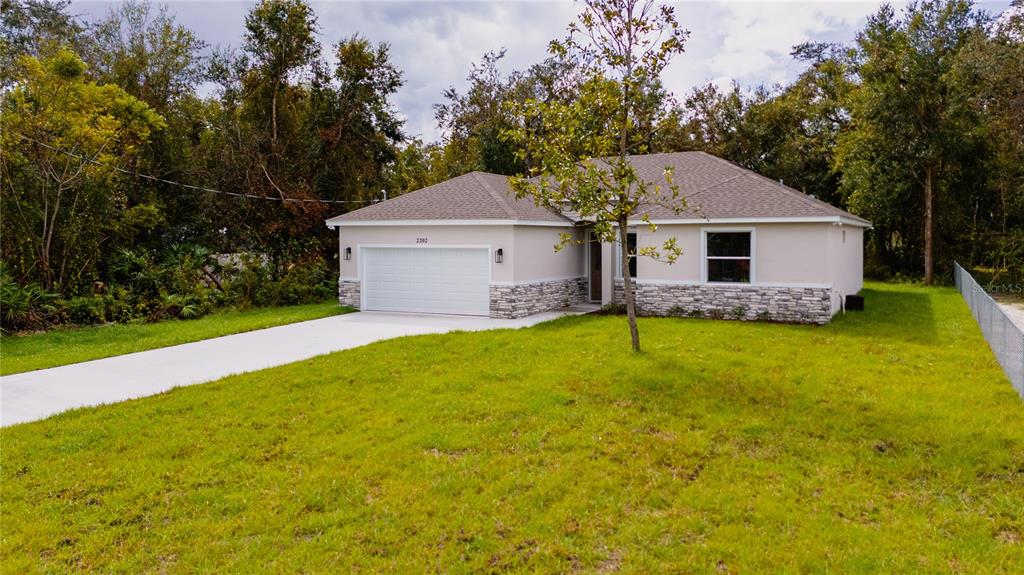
[[40, 394], [1014, 311]]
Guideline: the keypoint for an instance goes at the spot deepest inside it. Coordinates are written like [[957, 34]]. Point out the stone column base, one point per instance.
[[348, 293]]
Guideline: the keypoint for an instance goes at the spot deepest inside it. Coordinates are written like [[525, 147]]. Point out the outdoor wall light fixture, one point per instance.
[[498, 256], [348, 254]]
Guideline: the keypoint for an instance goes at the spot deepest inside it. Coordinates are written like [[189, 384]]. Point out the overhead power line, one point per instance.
[[188, 186]]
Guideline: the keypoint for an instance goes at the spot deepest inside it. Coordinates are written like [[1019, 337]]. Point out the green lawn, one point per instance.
[[64, 346], [886, 442]]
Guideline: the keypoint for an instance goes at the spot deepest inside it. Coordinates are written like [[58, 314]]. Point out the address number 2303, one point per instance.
[[421, 240]]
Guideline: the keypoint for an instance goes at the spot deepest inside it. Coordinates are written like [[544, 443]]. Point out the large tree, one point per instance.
[[336, 133], [28, 26], [989, 75], [787, 133], [64, 137], [910, 140], [582, 147], [473, 123], [280, 37], [354, 126], [151, 56], [259, 144]]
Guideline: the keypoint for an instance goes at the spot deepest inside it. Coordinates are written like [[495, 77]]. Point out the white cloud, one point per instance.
[[434, 43]]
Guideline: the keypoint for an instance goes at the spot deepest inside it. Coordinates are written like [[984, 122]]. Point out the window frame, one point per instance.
[[704, 258], [619, 251]]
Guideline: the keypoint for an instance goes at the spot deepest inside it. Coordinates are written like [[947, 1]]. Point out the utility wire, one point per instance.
[[188, 186]]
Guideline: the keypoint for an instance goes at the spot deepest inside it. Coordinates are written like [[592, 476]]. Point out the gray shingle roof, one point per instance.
[[714, 189], [472, 196]]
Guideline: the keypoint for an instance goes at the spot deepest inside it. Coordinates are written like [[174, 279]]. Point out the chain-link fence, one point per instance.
[[1003, 336]]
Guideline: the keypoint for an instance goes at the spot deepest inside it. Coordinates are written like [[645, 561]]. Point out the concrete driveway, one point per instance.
[[40, 394]]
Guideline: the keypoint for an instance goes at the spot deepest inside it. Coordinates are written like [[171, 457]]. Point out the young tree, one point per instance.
[[582, 147]]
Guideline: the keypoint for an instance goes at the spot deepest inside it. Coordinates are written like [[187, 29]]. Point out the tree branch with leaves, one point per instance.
[[582, 148]]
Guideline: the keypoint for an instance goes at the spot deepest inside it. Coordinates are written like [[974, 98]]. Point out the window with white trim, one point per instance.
[[630, 249], [727, 257]]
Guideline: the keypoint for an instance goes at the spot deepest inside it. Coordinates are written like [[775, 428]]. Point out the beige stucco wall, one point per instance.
[[789, 254], [846, 247], [528, 251], [535, 258], [793, 254]]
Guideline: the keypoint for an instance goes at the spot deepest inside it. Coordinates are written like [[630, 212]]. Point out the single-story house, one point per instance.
[[753, 248]]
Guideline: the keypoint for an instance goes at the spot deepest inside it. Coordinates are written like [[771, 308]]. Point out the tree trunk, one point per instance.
[[273, 116], [928, 201], [627, 283]]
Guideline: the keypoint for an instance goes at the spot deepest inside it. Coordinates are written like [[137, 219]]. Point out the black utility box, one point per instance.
[[854, 303]]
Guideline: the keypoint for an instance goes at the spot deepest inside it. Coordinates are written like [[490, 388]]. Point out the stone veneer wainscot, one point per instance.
[[521, 300], [348, 293], [743, 302]]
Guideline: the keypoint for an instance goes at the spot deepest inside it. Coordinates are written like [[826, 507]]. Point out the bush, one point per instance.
[[306, 282], [118, 306], [25, 307], [181, 306], [250, 282], [612, 309], [87, 310], [247, 282], [187, 282]]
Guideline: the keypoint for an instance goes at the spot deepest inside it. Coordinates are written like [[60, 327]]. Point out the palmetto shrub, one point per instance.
[[25, 307]]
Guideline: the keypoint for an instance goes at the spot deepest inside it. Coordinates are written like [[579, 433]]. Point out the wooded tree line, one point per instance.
[[917, 126], [281, 141]]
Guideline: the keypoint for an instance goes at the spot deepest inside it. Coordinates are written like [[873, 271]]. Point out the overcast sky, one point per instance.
[[433, 43]]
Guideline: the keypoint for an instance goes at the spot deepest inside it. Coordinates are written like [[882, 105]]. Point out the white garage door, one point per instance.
[[427, 280]]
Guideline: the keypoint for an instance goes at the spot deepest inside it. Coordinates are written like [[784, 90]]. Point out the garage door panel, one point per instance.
[[428, 280]]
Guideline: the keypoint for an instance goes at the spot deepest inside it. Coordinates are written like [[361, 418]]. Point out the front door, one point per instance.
[[594, 268]]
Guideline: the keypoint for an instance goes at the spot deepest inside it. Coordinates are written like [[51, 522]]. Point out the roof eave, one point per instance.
[[334, 222], [836, 220]]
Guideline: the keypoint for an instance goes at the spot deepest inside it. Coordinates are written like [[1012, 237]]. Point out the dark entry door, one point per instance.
[[595, 270]]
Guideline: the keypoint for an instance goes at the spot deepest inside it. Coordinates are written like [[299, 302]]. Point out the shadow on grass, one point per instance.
[[899, 314]]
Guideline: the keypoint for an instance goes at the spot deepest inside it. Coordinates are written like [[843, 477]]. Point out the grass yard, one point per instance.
[[888, 441], [60, 347]]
